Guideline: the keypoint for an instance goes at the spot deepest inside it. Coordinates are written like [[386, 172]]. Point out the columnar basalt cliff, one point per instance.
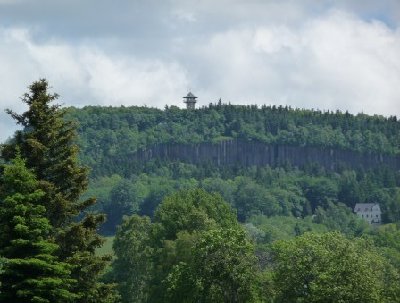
[[249, 153]]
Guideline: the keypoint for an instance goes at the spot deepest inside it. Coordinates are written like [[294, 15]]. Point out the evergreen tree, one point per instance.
[[48, 143], [31, 271]]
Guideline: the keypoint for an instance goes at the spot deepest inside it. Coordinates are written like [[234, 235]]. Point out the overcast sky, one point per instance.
[[303, 53]]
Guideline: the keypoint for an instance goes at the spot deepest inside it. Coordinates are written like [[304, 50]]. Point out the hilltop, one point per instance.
[[269, 160]]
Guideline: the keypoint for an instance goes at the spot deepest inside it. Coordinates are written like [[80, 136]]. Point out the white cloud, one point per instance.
[[83, 75], [275, 39], [184, 15], [90, 75], [336, 61], [129, 81]]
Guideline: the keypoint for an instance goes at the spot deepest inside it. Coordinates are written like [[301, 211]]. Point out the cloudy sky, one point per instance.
[[304, 53]]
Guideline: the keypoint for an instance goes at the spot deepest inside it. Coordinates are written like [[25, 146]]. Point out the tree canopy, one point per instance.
[[31, 271], [47, 142], [194, 250], [330, 268]]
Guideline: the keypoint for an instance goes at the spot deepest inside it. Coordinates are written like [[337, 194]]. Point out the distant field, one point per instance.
[[107, 247]]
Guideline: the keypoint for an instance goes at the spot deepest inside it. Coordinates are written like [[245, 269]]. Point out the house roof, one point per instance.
[[364, 206]]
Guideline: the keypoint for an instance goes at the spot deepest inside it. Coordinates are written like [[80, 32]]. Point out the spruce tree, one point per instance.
[[47, 141], [31, 271]]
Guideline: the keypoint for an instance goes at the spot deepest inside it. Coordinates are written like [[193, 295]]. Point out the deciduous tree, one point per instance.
[[193, 251], [330, 268]]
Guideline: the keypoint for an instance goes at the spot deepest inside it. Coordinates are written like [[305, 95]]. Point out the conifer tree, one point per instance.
[[47, 142], [31, 271]]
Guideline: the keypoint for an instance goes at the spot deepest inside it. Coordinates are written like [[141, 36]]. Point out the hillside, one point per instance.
[[217, 191], [118, 132], [274, 161]]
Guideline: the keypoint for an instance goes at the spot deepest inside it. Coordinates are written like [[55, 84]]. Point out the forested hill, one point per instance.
[[139, 155], [190, 225], [117, 132]]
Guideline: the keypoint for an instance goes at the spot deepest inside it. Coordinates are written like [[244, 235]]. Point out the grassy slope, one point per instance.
[[106, 249]]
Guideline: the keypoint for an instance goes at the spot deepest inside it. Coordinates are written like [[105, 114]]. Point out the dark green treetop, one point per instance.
[[47, 142], [31, 271]]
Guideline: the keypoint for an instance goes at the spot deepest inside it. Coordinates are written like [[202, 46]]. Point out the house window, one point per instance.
[[367, 215], [377, 216]]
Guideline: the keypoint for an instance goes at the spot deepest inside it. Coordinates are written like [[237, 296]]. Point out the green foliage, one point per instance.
[[274, 203], [252, 198], [221, 269], [387, 238], [109, 135], [177, 222], [133, 266], [101, 189], [259, 191], [106, 248], [266, 230], [330, 268], [391, 203], [47, 143], [320, 191], [30, 269], [341, 218], [125, 199], [192, 210], [225, 265], [194, 250]]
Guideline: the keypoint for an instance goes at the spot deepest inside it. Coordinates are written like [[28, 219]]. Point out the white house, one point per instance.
[[370, 212]]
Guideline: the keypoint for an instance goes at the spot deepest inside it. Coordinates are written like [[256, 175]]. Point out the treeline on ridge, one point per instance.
[[106, 132]]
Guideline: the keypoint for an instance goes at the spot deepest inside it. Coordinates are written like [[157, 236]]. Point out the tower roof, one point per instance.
[[190, 95]]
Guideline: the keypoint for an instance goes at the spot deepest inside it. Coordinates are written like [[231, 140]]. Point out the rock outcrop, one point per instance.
[[249, 153]]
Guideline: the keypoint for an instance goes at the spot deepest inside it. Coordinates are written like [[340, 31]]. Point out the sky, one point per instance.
[[315, 54]]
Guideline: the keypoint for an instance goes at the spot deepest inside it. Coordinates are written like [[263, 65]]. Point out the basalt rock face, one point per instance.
[[249, 153]]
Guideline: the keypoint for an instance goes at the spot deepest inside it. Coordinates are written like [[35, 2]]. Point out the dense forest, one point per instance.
[[196, 231], [106, 133], [124, 183]]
